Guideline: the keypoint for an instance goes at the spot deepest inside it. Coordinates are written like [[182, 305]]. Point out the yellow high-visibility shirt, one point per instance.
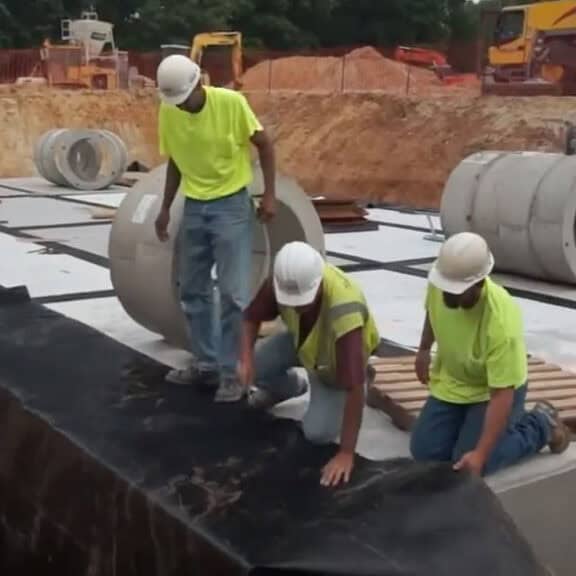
[[343, 310], [477, 349], [211, 148]]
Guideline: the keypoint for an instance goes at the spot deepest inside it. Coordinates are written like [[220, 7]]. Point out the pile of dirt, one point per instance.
[[373, 146], [363, 69], [28, 112], [383, 148]]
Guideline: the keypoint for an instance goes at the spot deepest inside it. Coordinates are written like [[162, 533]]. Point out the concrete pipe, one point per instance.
[[81, 159], [523, 204], [145, 271]]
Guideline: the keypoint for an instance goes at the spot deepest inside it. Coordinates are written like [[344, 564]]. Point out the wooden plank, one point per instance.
[[397, 387], [559, 375], [535, 369], [562, 383]]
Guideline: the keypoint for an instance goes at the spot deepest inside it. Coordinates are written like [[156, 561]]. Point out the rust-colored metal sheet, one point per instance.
[[396, 381]]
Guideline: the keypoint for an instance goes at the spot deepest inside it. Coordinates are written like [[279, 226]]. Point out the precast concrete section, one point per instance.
[[81, 159], [523, 204], [145, 271]]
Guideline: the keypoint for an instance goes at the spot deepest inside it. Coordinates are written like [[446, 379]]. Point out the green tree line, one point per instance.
[[271, 24]]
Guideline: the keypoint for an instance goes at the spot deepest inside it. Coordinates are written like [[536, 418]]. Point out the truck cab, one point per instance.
[[523, 34]]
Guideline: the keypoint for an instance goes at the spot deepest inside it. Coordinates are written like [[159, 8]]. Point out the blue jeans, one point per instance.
[[218, 233], [274, 361], [445, 432]]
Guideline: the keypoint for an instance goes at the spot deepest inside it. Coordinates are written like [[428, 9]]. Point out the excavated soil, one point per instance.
[[363, 69], [379, 147], [26, 113], [375, 147]]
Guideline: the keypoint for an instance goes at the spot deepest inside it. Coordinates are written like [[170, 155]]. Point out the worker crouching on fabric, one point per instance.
[[329, 332], [475, 415]]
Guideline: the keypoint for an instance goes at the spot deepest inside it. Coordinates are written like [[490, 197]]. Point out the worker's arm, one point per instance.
[[423, 357], [263, 308], [171, 186], [351, 371], [495, 423], [265, 148]]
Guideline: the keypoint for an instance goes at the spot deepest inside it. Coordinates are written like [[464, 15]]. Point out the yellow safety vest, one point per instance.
[[343, 310]]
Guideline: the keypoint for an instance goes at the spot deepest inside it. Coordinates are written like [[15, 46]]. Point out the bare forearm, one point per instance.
[[427, 339], [173, 178], [267, 157], [250, 332], [351, 369], [496, 420], [352, 419]]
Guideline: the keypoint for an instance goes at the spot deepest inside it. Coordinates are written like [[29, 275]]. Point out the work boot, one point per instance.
[[559, 432], [229, 390], [194, 376], [261, 399]]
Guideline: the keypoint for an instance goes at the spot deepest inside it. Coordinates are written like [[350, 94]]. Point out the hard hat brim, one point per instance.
[[457, 287], [296, 300], [179, 99]]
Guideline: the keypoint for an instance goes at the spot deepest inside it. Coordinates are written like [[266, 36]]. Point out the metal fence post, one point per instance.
[[342, 82]]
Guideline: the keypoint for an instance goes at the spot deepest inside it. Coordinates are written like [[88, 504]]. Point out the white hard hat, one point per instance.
[[298, 270], [464, 260], [177, 76]]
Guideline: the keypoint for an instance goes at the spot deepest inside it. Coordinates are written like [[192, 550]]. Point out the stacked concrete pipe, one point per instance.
[[523, 204], [81, 159], [145, 271]]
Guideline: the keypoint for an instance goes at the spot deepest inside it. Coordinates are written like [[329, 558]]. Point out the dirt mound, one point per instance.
[[378, 147], [363, 69]]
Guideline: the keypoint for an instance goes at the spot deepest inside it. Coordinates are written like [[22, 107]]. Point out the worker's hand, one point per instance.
[[245, 372], [267, 208], [473, 461], [338, 470], [422, 366], [161, 224]]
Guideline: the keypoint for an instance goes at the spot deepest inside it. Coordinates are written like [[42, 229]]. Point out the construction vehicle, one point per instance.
[[435, 61], [535, 44], [214, 46], [89, 59]]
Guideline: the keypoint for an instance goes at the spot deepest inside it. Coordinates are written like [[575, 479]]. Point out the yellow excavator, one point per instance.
[[535, 44], [219, 47]]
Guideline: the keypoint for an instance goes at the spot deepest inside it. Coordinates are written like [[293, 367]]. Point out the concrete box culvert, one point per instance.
[[523, 204], [144, 270], [81, 159]]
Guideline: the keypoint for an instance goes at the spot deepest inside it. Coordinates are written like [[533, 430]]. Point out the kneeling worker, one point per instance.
[[475, 414], [330, 333]]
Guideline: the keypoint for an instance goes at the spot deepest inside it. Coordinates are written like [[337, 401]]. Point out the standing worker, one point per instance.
[[206, 133], [475, 414], [330, 332]]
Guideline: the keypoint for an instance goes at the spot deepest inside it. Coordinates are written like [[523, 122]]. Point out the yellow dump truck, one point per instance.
[[536, 41]]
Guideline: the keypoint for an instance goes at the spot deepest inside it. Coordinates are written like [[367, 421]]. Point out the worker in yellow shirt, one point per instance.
[[329, 332], [475, 415], [206, 133]]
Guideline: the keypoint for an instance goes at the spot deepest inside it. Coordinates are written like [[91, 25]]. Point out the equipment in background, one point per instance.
[[220, 48], [88, 59], [532, 49], [435, 61]]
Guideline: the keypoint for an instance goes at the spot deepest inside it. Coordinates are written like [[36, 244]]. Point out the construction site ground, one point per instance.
[[374, 146]]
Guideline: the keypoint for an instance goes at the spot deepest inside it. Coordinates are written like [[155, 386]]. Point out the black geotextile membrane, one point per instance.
[[246, 484]]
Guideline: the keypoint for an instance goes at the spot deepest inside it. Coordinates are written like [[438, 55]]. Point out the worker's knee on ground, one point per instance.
[[318, 434], [420, 448]]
